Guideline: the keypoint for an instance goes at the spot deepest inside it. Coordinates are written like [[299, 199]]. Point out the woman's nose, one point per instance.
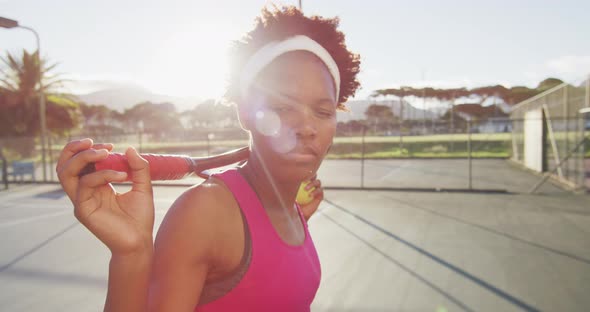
[[305, 124]]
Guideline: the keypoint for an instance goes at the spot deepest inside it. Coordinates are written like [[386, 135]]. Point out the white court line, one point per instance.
[[60, 213], [35, 205], [32, 219], [51, 215]]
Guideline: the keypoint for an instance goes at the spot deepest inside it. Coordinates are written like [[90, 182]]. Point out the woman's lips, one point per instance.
[[305, 154], [301, 157]]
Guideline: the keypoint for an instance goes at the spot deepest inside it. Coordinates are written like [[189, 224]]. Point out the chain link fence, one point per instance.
[[459, 154], [474, 156], [550, 132]]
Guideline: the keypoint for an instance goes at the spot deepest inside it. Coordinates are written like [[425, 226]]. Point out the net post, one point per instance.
[[585, 116], [363, 158], [4, 169], [469, 159]]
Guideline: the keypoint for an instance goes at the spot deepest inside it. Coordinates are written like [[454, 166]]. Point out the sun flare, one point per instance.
[[190, 63]]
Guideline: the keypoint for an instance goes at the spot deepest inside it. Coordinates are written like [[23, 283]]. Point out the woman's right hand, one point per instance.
[[124, 222]]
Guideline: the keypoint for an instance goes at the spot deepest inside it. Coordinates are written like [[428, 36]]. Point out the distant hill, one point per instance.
[[357, 110], [121, 98]]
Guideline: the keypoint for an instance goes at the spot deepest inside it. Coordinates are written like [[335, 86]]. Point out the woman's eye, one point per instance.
[[325, 113]]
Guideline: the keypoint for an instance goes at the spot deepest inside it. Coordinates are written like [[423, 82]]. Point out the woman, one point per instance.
[[238, 241]]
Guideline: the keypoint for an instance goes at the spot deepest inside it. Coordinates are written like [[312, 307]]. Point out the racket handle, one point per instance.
[[170, 167], [162, 167]]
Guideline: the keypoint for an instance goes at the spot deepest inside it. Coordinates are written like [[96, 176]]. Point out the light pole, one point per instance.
[[210, 137], [140, 135], [8, 23]]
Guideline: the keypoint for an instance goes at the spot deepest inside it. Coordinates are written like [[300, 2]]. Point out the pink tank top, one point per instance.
[[280, 277]]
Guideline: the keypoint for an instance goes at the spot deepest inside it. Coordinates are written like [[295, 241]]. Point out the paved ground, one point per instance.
[[394, 251], [487, 174], [380, 251]]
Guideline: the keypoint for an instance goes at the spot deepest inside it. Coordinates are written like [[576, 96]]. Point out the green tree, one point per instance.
[[209, 115], [379, 113], [156, 119], [549, 83], [101, 120], [20, 89], [350, 128], [379, 116]]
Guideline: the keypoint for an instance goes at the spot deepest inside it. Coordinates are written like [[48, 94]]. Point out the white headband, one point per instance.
[[274, 49]]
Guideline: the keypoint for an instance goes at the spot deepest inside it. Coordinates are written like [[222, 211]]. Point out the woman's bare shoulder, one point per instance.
[[187, 248], [199, 216], [209, 198]]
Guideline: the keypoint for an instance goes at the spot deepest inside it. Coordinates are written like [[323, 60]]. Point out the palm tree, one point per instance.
[[20, 89]]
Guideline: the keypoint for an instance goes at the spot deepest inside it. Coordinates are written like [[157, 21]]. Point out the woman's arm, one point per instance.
[[171, 276], [123, 222], [128, 286], [142, 277]]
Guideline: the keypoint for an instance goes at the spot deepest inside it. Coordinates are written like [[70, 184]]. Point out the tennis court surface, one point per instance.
[[495, 175], [380, 251]]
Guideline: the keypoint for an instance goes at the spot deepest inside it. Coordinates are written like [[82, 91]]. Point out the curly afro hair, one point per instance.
[[284, 22]]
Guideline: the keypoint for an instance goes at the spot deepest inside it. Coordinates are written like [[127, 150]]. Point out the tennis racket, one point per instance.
[[170, 167]]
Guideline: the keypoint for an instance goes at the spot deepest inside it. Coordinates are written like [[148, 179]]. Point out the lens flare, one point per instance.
[[285, 141], [268, 123], [282, 139]]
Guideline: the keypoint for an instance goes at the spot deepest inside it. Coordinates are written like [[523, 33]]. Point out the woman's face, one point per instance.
[[291, 114]]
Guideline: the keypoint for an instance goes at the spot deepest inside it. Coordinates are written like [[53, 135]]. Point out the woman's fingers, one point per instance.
[[68, 174], [317, 193], [73, 166], [316, 186], [87, 188], [309, 209], [315, 183], [71, 149], [100, 178], [108, 146], [74, 147], [140, 172]]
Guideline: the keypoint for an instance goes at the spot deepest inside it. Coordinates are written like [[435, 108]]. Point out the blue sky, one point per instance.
[[178, 47]]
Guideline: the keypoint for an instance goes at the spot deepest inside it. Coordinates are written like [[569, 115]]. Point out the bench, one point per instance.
[[22, 168]]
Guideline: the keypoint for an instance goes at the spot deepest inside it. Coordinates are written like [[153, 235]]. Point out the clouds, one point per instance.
[[570, 67]]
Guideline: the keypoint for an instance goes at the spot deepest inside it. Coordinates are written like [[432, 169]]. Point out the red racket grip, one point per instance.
[[170, 167], [162, 167]]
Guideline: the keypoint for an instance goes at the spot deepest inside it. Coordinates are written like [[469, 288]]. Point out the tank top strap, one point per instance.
[[248, 202]]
